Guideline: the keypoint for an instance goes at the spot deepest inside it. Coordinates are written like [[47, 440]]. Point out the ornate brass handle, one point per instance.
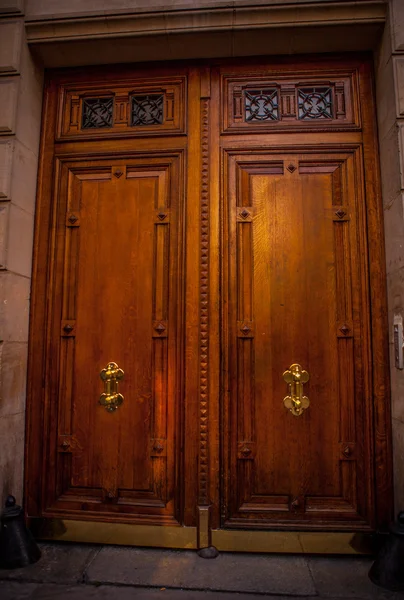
[[111, 376], [296, 402]]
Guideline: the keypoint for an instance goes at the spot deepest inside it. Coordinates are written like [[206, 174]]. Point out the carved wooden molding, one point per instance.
[[111, 109], [204, 310], [272, 100]]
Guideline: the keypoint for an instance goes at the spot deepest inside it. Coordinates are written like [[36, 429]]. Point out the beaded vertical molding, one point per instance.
[[203, 471]]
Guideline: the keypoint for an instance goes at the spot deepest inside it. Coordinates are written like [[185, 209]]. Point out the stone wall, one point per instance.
[[390, 105], [20, 120], [46, 8]]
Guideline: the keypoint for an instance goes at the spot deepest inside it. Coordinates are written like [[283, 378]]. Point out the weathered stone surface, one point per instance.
[[14, 307], [399, 84], [13, 378], [395, 291], [8, 7], [20, 241], [16, 591], [60, 563], [28, 121], [6, 159], [8, 103], [390, 165], [23, 182], [397, 23], [4, 215], [342, 577], [33, 591], [385, 94], [11, 31], [394, 225], [334, 578], [58, 8], [401, 142], [228, 572], [398, 449], [12, 428]]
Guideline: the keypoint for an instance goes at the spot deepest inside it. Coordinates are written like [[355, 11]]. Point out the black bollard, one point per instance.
[[388, 569], [17, 546]]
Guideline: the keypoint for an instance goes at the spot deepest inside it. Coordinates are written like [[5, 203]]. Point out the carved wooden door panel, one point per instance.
[[294, 275], [118, 256]]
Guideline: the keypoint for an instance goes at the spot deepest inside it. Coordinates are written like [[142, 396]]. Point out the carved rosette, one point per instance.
[[204, 309]]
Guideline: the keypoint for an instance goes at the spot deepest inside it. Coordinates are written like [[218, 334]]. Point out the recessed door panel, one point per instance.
[[297, 434], [121, 303]]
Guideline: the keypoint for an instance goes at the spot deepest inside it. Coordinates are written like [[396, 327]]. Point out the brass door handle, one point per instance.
[[295, 376], [111, 376]]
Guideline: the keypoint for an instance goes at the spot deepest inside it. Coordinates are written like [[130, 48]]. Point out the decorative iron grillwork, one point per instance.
[[261, 105], [97, 113], [147, 110], [315, 103]]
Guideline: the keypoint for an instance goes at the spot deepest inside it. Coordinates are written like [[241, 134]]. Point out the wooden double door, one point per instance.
[[208, 341]]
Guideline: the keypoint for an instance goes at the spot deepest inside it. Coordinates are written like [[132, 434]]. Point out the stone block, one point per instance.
[[24, 177], [383, 50], [12, 431], [20, 241], [397, 386], [397, 24], [14, 590], [58, 8], [8, 104], [4, 214], [10, 7], [14, 307], [398, 461], [395, 294], [264, 574], [11, 32], [401, 145], [390, 165], [385, 94], [6, 161], [59, 564], [28, 124], [394, 233], [341, 577], [13, 377], [398, 62]]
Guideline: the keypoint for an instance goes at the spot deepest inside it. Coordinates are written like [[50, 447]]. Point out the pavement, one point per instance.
[[89, 572]]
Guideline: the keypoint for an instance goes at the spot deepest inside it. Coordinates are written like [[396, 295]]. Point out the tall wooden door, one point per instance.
[[298, 410], [113, 369], [207, 344]]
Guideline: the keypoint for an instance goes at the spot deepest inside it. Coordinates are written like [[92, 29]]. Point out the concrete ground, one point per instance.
[[88, 572]]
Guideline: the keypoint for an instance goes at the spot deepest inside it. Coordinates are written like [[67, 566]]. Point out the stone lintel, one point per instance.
[[43, 29]]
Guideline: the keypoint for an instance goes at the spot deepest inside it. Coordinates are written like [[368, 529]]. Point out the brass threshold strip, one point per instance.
[[125, 534], [292, 542], [284, 542]]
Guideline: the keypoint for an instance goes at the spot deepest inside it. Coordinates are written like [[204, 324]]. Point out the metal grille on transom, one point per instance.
[[315, 103], [147, 110], [97, 113], [261, 105]]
